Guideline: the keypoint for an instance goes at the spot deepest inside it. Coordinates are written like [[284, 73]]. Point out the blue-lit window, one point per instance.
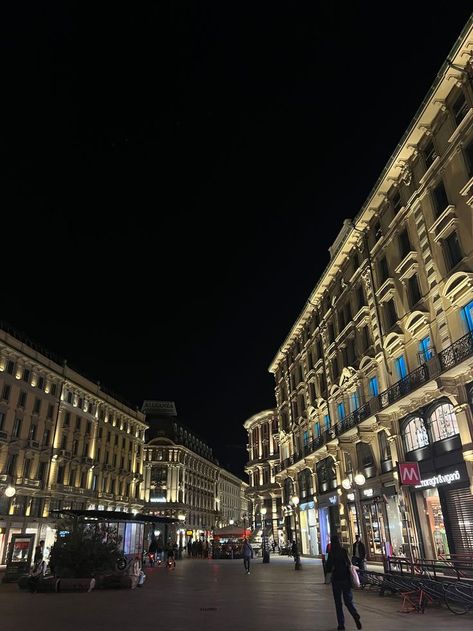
[[374, 386], [341, 411], [425, 349], [306, 438], [401, 367], [316, 429], [467, 316], [355, 401], [327, 421]]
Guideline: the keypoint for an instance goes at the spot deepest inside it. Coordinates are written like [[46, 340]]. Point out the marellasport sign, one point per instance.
[[446, 478]]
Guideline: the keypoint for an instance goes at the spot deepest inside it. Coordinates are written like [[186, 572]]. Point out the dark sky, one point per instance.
[[175, 172]]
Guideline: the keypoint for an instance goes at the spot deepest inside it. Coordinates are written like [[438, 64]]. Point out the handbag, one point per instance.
[[354, 578]]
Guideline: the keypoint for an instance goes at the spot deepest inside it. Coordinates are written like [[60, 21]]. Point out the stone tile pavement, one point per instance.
[[215, 595]]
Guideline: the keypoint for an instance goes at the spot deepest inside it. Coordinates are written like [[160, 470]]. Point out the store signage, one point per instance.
[[446, 478], [368, 492], [333, 499], [351, 497], [189, 533], [409, 473]]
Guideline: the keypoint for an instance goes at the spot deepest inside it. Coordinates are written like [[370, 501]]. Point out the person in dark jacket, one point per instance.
[[247, 554], [359, 553], [338, 564]]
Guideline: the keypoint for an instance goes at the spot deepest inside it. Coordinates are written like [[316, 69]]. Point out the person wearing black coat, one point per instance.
[[359, 553], [338, 564]]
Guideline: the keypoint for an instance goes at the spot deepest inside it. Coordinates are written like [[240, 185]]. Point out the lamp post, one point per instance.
[[264, 546], [244, 524], [297, 559]]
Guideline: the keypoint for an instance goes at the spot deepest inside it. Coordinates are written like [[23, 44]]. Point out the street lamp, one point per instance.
[[297, 560], [10, 491], [244, 516], [232, 521], [264, 546]]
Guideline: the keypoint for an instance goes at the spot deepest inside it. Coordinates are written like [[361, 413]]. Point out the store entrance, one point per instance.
[[375, 524]]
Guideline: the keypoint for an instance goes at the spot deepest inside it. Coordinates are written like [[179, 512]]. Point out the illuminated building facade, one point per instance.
[[65, 442], [263, 490], [378, 367]]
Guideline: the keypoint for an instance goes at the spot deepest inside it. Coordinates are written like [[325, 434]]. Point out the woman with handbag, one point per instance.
[[338, 564]]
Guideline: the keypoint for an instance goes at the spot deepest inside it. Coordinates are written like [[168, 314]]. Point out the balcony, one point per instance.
[[447, 359]]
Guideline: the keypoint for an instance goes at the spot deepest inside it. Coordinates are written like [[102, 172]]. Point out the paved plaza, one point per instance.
[[215, 595]]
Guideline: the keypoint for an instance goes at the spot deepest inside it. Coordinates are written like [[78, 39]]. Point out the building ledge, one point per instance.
[[408, 266]]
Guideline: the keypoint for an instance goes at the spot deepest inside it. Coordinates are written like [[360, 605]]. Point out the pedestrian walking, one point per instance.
[[359, 553], [338, 564], [247, 554]]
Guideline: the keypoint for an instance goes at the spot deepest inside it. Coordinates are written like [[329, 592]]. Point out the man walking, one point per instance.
[[247, 554], [359, 553]]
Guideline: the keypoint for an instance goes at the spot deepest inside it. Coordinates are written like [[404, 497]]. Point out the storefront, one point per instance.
[[443, 506], [329, 519], [308, 528]]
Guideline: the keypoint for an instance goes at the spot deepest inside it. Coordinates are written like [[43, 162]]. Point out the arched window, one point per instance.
[[443, 422], [305, 483], [415, 434]]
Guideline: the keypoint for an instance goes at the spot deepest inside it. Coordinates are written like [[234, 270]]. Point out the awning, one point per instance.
[[232, 532]]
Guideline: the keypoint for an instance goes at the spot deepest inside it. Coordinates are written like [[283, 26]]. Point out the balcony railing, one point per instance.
[[448, 358]]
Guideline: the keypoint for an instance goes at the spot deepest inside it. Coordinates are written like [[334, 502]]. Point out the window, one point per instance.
[[326, 422], [429, 154], [467, 316], [365, 455], [383, 270], [374, 387], [46, 436], [316, 429], [53, 389], [41, 471], [306, 438], [32, 432], [22, 399], [26, 375], [469, 158], [350, 352], [331, 333], [396, 202], [348, 464], [384, 447], [78, 422], [40, 383], [443, 422], [37, 406], [11, 464], [2, 420], [413, 290], [16, 427], [440, 199], [69, 397], [452, 251], [6, 392], [360, 297], [377, 231], [404, 243], [365, 337], [401, 367], [354, 401], [425, 349], [391, 315], [60, 475], [415, 434], [50, 412], [341, 411], [89, 427], [460, 108], [11, 365], [26, 468], [67, 419]]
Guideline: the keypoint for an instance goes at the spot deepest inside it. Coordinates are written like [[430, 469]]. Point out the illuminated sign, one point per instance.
[[189, 533], [448, 478], [155, 500], [351, 497], [409, 473], [332, 499]]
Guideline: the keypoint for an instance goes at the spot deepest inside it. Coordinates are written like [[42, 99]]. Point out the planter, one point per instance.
[[76, 584]]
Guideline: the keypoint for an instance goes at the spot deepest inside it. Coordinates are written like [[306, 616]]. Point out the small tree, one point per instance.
[[85, 550]]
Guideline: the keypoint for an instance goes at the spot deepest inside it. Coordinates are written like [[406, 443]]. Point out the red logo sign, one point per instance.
[[409, 473]]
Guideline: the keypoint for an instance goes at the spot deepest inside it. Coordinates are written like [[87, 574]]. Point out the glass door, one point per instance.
[[375, 525]]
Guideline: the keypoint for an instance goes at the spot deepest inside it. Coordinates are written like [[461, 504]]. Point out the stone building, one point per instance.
[[65, 442], [378, 367]]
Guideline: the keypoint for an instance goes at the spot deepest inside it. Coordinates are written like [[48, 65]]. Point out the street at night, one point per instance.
[[205, 595]]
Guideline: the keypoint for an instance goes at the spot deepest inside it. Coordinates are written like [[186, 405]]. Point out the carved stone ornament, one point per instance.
[[406, 175]]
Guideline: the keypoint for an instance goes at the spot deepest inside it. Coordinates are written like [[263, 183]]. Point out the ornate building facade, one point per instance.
[[378, 368], [263, 490], [65, 442]]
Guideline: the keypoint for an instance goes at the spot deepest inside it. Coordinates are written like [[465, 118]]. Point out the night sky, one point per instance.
[[175, 172]]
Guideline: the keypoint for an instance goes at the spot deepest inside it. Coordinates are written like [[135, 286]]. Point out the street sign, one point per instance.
[[409, 473]]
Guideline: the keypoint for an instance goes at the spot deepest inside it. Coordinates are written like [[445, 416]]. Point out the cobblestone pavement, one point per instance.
[[210, 595]]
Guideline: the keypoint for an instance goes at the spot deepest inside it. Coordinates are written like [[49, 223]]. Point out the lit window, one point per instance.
[[401, 367], [374, 387], [443, 422], [327, 421], [355, 401], [306, 438], [467, 316], [341, 411], [316, 429], [425, 349], [415, 434]]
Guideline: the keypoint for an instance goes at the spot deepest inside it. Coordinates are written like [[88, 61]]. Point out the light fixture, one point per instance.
[[360, 479], [351, 497], [346, 484], [10, 491], [232, 521], [181, 517], [263, 510], [295, 500]]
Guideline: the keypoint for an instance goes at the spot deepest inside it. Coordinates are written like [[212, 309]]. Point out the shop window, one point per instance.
[[443, 422], [467, 316], [401, 367], [415, 434], [374, 386]]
